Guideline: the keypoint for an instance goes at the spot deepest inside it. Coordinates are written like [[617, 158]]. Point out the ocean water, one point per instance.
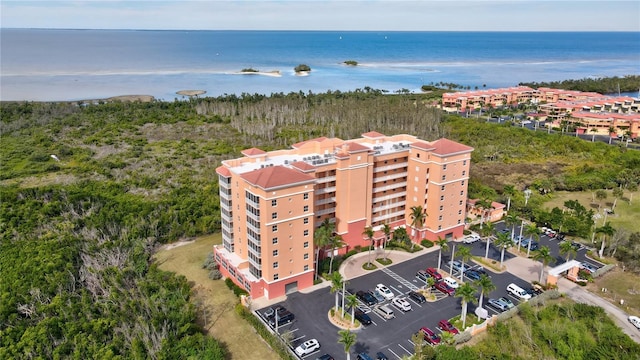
[[41, 65]]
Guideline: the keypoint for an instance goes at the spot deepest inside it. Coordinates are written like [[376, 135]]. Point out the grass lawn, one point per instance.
[[222, 322], [627, 209], [620, 285]]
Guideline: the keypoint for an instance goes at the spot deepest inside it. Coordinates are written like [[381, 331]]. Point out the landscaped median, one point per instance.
[[343, 322]]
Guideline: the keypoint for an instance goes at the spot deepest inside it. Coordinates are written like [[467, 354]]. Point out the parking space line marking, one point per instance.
[[399, 279], [396, 355], [298, 338], [315, 352], [400, 292], [402, 347]]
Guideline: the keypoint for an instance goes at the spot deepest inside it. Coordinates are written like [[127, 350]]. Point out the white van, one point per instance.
[[451, 282], [518, 292], [384, 311]]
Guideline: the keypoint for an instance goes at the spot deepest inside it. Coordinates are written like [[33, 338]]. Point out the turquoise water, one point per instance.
[[83, 64]]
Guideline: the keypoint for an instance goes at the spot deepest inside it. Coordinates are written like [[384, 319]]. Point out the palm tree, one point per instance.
[[510, 191], [486, 233], [612, 131], [566, 248], [444, 246], [467, 294], [485, 286], [368, 232], [544, 255], [465, 254], [534, 233], [486, 206], [430, 282], [512, 220], [418, 216], [336, 285], [605, 230], [504, 242], [321, 240], [593, 134], [386, 229], [335, 242], [347, 338], [352, 302]]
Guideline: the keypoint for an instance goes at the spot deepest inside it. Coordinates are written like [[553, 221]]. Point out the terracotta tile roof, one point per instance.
[[253, 152], [303, 166], [355, 147], [299, 144], [422, 145], [276, 176], [222, 170], [372, 134], [446, 147]]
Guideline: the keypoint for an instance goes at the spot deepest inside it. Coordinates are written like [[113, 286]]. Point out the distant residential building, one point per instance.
[[476, 213], [272, 202]]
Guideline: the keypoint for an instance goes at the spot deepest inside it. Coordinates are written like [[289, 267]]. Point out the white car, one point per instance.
[[402, 304], [470, 239], [451, 282], [635, 321], [307, 347], [384, 291]]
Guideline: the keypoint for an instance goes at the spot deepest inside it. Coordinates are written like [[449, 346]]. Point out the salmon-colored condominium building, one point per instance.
[[271, 202]]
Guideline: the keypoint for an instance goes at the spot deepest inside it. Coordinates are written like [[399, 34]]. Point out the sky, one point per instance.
[[388, 15]]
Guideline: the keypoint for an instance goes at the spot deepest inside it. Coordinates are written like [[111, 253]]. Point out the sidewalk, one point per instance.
[[529, 270]]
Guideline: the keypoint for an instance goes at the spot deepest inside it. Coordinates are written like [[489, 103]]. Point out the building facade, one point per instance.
[[271, 202]]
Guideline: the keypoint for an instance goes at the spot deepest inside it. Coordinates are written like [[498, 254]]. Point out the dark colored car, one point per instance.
[[417, 297], [433, 272], [472, 274], [362, 317], [281, 318], [268, 314], [363, 356], [445, 325], [381, 356], [444, 288], [325, 357], [366, 297], [430, 336]]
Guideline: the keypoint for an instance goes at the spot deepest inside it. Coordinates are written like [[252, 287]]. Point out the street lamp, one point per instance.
[[527, 195]]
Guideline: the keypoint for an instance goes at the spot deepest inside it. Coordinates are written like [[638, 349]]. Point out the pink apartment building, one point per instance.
[[271, 202]]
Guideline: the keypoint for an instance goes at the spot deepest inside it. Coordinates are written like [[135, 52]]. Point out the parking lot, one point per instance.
[[393, 336]]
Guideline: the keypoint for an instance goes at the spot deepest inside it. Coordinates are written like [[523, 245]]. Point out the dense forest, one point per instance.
[[89, 190], [609, 85]]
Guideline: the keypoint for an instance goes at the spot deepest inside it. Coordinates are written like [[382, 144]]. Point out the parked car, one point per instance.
[[470, 239], [422, 275], [281, 318], [384, 311], [402, 304], [417, 297], [505, 231], [384, 291], [363, 356], [445, 325], [518, 292], [362, 317], [472, 274], [444, 288], [451, 282], [456, 265], [518, 239], [535, 289], [381, 356], [379, 297], [433, 272], [268, 314], [307, 347], [495, 303], [325, 357], [506, 301], [366, 298], [635, 321], [430, 336], [588, 267]]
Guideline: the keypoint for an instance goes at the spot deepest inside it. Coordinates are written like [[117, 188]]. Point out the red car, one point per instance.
[[444, 288], [430, 336], [445, 325], [433, 272]]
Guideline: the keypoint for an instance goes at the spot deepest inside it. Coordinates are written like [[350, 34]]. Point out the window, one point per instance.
[[305, 196], [460, 203], [444, 177], [444, 167], [274, 228], [306, 268], [439, 227], [441, 207], [306, 244], [440, 218], [461, 193], [442, 188], [306, 220], [417, 168], [459, 212], [418, 155], [464, 173], [275, 264], [274, 202], [464, 162], [462, 183], [275, 276], [306, 233], [275, 252], [306, 256], [441, 197], [306, 208], [274, 240], [274, 215], [459, 221], [416, 179]]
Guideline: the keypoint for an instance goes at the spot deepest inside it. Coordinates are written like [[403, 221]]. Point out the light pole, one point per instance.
[[520, 237], [527, 195]]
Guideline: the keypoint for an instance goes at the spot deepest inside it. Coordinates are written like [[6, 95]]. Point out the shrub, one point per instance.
[[302, 67], [210, 263], [215, 274], [351, 62], [237, 290], [271, 339], [426, 243]]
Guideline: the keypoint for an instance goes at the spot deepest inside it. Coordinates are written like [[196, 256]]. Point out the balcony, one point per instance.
[[255, 229], [330, 200], [228, 228], [253, 216], [326, 190], [387, 216], [390, 177], [224, 195], [255, 264], [252, 203], [390, 187], [389, 197], [390, 167], [325, 211], [325, 179], [226, 205]]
